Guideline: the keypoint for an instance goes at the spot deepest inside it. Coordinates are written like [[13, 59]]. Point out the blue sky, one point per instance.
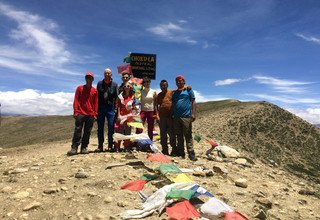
[[246, 50]]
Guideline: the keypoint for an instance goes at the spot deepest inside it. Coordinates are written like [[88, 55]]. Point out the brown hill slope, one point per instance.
[[40, 182], [22, 130], [264, 129]]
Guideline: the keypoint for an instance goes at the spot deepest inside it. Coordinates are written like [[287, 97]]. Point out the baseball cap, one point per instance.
[[89, 74], [180, 77]]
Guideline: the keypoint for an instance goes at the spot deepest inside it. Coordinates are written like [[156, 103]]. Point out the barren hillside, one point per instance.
[[39, 181], [270, 132]]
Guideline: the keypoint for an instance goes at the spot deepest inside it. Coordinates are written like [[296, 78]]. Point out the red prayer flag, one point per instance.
[[124, 68], [182, 211], [234, 216], [136, 185], [212, 143], [158, 157]]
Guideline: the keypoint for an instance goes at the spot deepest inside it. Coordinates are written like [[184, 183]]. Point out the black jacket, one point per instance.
[[107, 93]]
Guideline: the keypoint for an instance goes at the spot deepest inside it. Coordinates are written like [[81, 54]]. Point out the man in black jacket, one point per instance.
[[107, 99]]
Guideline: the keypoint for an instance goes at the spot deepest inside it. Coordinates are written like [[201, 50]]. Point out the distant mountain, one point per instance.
[[318, 125]]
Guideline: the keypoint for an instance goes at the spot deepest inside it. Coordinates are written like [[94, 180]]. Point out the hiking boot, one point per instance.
[[98, 150], [192, 156], [72, 152], [165, 151], [84, 151]]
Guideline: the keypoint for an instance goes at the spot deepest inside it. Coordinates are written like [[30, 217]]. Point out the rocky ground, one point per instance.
[[41, 182]]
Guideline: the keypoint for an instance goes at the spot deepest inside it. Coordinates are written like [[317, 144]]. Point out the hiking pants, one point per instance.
[[148, 115], [166, 128], [183, 130], [103, 113], [84, 122]]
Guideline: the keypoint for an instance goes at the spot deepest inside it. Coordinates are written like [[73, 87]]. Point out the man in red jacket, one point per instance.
[[85, 111]]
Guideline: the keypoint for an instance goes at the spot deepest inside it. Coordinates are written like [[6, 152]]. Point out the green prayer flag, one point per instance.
[[149, 177], [136, 119], [168, 168], [180, 194], [127, 59], [197, 138]]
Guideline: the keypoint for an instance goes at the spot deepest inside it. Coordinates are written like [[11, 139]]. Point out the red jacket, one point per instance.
[[85, 101]]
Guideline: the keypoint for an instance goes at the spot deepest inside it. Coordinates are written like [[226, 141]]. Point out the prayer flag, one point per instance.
[[182, 210], [149, 177], [197, 138], [234, 216], [159, 157], [127, 59], [168, 168], [180, 194], [136, 124], [124, 68], [136, 185], [200, 191], [181, 178]]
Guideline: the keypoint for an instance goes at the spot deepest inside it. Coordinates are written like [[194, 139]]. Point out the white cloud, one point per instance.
[[206, 45], [37, 48], [182, 21], [285, 99], [311, 115], [172, 32], [165, 30], [226, 82], [309, 38], [282, 85], [33, 102], [207, 98]]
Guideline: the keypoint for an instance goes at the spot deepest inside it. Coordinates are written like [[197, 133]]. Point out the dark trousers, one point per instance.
[[166, 128], [103, 113], [183, 130], [84, 122], [148, 115]]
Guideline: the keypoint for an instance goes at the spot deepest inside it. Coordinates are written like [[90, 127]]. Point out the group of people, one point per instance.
[[174, 110]]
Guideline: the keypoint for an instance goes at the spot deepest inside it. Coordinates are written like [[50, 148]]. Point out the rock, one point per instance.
[[261, 215], [51, 190], [241, 183], [21, 195], [240, 161], [19, 170], [32, 205], [108, 199], [62, 181], [265, 202], [6, 189], [306, 192], [302, 202], [122, 203], [81, 174], [220, 170], [24, 216], [63, 188], [34, 168], [92, 194]]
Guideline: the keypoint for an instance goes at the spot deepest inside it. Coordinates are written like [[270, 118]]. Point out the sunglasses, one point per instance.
[[125, 77], [127, 87]]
